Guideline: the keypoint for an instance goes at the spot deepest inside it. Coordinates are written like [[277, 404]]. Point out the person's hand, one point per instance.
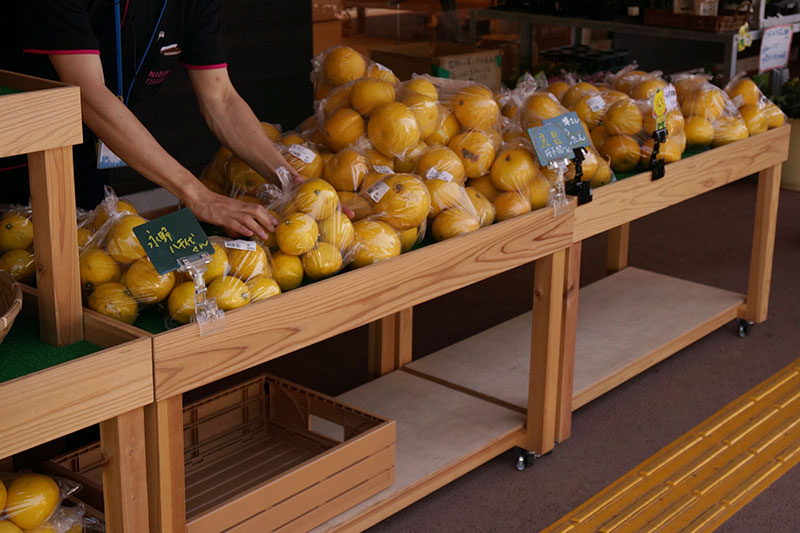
[[240, 218]]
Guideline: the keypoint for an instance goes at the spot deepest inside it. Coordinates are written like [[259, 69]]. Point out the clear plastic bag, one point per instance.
[[336, 66], [33, 502], [708, 109], [16, 243], [758, 112]]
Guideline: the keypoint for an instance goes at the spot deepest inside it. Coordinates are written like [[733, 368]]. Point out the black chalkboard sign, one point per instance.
[[171, 237]]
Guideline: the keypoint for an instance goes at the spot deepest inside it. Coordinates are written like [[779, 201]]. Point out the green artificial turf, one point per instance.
[[23, 352], [152, 320], [8, 90]]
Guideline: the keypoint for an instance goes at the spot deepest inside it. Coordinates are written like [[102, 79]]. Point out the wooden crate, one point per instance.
[[268, 454]]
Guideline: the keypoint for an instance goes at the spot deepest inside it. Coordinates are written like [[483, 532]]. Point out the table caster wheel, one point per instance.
[[525, 459], [744, 327]]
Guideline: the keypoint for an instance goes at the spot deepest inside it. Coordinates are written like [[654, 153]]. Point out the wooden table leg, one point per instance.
[[125, 472], [769, 183], [618, 241], [569, 327], [165, 471], [390, 342], [545, 347], [56, 243]]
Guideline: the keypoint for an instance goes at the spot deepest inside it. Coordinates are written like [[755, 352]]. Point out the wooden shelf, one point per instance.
[[441, 435], [627, 323]]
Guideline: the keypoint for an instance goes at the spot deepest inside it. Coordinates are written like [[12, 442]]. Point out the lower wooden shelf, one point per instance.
[[441, 434], [627, 323]]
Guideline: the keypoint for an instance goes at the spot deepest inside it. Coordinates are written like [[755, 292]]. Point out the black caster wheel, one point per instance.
[[525, 459], [744, 327]]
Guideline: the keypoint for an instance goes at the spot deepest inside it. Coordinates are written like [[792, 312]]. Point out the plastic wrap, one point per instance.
[[16, 243], [706, 107], [32, 502], [337, 66], [757, 111]]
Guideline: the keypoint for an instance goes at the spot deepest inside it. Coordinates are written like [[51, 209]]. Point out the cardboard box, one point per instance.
[[445, 60]]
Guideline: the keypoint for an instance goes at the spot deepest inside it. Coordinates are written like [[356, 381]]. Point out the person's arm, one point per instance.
[[234, 123], [122, 132]]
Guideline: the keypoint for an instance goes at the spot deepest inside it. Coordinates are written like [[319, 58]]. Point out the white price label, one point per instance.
[[434, 174], [241, 244], [596, 103], [302, 153], [383, 169], [377, 191], [738, 101], [671, 98]]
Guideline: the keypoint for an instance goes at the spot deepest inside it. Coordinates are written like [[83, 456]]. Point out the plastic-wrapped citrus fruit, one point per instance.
[[262, 287], [447, 127], [513, 169], [603, 175], [379, 72], [675, 122], [346, 170], [181, 303], [623, 152], [408, 238], [485, 186], [338, 98], [123, 206], [539, 107], [357, 203], [243, 177], [483, 206], [393, 129], [539, 192], [669, 152], [114, 300], [97, 268], [272, 132], [343, 65], [31, 499], [623, 118], [231, 293], [287, 270], [440, 162], [316, 198], [590, 108], [323, 260], [406, 202], [512, 204], [408, 161], [219, 263], [645, 89], [425, 110], [454, 222], [367, 94], [558, 89], [775, 117], [576, 92], [123, 245], [476, 151], [145, 284], [342, 128], [244, 264], [699, 131], [444, 195], [375, 241], [755, 118], [337, 230], [706, 102], [16, 232], [297, 234], [421, 86], [625, 82], [306, 161], [475, 108], [746, 89], [729, 129]]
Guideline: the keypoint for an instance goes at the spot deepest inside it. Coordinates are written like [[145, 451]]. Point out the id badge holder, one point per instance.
[[106, 158]]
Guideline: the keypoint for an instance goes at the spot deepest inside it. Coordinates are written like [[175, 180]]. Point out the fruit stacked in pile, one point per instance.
[[32, 503], [16, 245]]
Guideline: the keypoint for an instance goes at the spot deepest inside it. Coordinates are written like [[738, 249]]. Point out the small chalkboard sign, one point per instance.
[[551, 143], [571, 123], [171, 237]]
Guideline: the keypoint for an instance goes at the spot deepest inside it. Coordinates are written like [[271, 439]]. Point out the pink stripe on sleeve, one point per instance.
[[204, 67], [59, 52]]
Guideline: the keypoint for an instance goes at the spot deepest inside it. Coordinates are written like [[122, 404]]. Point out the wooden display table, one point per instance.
[[43, 119]]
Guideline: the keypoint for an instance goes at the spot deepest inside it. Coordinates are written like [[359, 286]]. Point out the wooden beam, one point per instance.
[[390, 342], [545, 348], [165, 471], [125, 472], [56, 243], [618, 242], [769, 182], [569, 329]]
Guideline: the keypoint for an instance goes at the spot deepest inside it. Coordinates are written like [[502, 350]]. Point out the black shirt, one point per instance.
[[156, 36]]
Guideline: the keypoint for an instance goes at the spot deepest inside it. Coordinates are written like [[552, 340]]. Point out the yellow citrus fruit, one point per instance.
[[244, 264], [123, 206], [599, 135], [425, 110], [393, 129], [242, 176], [287, 271], [357, 203], [421, 86], [623, 118], [675, 122], [97, 268], [513, 170], [729, 129], [669, 152], [219, 264], [367, 94], [309, 170], [262, 287], [440, 162], [322, 261], [44, 528], [539, 107], [755, 119], [485, 186], [8, 527], [603, 175], [346, 170], [747, 89], [343, 65], [576, 92], [123, 245], [379, 72], [297, 234], [645, 89], [445, 195], [508, 108], [342, 129], [290, 138], [337, 230], [272, 132], [512, 204], [84, 234], [775, 117], [338, 98], [592, 112], [375, 241], [16, 232], [614, 96], [623, 151], [557, 89], [515, 137], [3, 497], [706, 102], [687, 85], [626, 81], [539, 192], [475, 108], [316, 198], [181, 302], [145, 284], [680, 140], [19, 264], [114, 300], [405, 204], [408, 238], [230, 292], [496, 139], [454, 222], [699, 131], [408, 162], [377, 159], [371, 179], [590, 164], [447, 127], [483, 206], [32, 498], [476, 152]]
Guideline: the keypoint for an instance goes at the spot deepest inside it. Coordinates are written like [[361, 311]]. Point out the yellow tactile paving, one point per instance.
[[705, 476]]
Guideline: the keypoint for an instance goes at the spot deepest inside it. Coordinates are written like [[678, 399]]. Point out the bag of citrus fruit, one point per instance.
[[16, 243], [341, 65], [32, 502], [758, 112]]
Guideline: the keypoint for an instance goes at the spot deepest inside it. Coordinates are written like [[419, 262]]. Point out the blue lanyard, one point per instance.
[[118, 35]]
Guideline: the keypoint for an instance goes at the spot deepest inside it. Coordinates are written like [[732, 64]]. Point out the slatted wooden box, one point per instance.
[[268, 454]]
